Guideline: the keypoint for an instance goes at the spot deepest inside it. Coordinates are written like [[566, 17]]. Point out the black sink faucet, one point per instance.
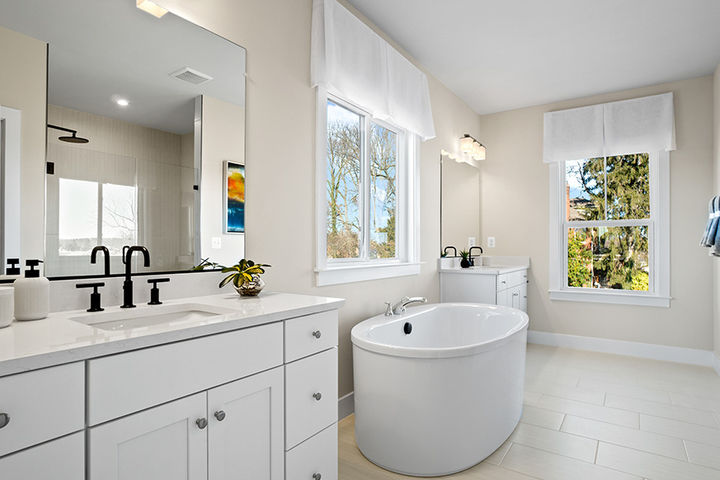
[[445, 251], [470, 257], [128, 284], [106, 252]]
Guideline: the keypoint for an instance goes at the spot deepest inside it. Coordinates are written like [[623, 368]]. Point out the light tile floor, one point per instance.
[[594, 416]]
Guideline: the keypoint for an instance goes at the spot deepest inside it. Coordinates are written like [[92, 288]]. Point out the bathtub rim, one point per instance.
[[358, 334]]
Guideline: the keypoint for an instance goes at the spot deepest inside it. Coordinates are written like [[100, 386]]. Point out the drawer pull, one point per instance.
[[317, 396], [220, 415], [317, 334], [317, 476], [201, 423], [4, 419]]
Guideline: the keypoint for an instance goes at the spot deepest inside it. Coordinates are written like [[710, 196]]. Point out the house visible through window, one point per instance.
[[361, 186], [608, 222]]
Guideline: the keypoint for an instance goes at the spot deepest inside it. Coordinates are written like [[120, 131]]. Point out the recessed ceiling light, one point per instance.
[[122, 102], [152, 8]]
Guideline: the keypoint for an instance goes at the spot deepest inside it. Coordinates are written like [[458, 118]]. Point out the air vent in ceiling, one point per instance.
[[192, 76]]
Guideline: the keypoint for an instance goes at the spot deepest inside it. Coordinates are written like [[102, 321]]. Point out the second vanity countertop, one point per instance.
[[485, 270], [30, 345]]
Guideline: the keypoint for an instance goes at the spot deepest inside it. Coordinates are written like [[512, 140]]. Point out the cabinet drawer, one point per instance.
[[310, 396], [317, 455], [61, 459], [512, 279], [128, 382], [310, 334], [41, 405]]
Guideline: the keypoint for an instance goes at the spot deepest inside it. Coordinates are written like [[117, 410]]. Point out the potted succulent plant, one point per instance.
[[465, 262], [245, 277]]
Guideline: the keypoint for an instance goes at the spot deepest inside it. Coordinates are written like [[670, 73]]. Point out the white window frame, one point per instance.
[[658, 294], [406, 262]]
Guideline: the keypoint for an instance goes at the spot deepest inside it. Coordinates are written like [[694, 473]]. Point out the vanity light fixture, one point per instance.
[[471, 147], [150, 7]]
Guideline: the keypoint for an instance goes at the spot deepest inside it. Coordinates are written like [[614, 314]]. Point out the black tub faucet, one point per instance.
[[470, 257], [106, 253], [445, 251], [128, 284]]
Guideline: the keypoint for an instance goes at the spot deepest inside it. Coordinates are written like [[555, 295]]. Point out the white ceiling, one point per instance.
[[102, 49], [503, 54]]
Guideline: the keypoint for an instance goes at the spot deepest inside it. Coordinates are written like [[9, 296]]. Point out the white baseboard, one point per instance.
[[705, 358], [346, 405]]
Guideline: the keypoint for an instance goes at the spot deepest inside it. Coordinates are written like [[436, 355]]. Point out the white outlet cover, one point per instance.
[[491, 242], [471, 242], [216, 242]]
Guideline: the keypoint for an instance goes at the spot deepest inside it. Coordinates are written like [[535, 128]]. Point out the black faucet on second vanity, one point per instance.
[[471, 259], [128, 284]]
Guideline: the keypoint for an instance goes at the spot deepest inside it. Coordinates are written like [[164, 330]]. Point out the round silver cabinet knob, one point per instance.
[[317, 396], [317, 334], [4, 420], [317, 476], [220, 415], [201, 423]]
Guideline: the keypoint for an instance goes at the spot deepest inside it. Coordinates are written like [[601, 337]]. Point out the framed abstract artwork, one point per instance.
[[234, 195]]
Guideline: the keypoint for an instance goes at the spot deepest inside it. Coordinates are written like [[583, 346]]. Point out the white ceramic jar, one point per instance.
[[6, 306]]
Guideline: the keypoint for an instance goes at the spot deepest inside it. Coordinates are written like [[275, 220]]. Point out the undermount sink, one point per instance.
[[149, 316]]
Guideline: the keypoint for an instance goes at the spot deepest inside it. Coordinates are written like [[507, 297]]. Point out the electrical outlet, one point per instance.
[[471, 242], [491, 242], [216, 242]]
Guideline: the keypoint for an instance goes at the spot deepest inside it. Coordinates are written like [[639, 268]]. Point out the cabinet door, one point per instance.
[[245, 438], [504, 298], [61, 459], [515, 296], [162, 443], [523, 298]]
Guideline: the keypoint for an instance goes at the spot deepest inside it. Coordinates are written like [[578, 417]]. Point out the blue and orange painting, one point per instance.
[[235, 214]]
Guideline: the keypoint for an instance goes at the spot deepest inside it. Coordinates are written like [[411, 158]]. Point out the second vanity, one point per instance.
[[214, 387], [493, 280]]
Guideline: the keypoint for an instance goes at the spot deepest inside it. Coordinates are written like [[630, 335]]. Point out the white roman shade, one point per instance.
[[354, 62], [644, 124]]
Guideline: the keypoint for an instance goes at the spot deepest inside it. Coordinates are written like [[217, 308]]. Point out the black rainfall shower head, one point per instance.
[[73, 139], [70, 139]]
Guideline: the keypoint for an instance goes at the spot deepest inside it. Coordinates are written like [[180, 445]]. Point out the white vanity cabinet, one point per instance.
[[258, 402], [494, 285], [36, 407]]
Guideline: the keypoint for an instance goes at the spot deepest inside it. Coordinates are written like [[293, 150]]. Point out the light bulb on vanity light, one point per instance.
[[122, 102], [152, 8], [466, 144]]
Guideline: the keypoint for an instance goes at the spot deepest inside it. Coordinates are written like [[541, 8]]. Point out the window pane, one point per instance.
[[585, 189], [77, 216], [628, 187], [343, 182], [383, 191], [119, 221], [608, 257]]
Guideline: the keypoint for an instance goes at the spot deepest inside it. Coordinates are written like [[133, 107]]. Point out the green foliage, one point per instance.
[[242, 272], [579, 261], [618, 188], [464, 254]]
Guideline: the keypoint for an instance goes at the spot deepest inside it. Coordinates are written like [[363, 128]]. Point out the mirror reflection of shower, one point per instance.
[[69, 139]]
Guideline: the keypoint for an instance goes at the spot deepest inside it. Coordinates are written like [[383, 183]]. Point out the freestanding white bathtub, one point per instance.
[[443, 397]]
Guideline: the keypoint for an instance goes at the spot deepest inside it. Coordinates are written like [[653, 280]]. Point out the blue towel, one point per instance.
[[709, 238]]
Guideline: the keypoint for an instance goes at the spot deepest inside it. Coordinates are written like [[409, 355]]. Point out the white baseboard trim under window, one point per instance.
[[346, 405], [667, 353]]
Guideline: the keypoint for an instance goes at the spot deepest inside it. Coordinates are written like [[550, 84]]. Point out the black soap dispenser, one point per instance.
[[13, 268]]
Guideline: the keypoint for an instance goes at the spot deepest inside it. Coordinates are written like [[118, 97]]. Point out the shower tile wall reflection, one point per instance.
[[129, 185]]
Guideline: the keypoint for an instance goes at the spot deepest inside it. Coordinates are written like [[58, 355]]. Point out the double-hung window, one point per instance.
[[609, 215], [367, 207]]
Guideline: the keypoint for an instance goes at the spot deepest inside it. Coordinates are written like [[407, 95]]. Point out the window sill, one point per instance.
[[618, 298], [359, 273]]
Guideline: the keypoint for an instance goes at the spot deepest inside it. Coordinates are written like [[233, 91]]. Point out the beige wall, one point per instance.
[[23, 87], [222, 139], [281, 163], [514, 195], [716, 190]]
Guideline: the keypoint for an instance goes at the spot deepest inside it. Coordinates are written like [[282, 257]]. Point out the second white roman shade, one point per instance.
[[354, 62], [645, 124]]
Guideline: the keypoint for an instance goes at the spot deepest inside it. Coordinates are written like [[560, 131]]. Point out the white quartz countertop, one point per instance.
[[485, 270], [57, 339]]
